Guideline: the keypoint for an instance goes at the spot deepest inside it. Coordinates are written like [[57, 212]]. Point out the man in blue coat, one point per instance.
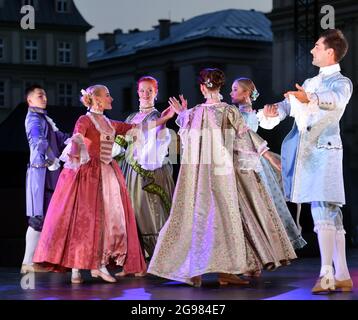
[[312, 154], [46, 143]]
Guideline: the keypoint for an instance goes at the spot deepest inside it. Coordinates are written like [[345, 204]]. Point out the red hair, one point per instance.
[[150, 79]]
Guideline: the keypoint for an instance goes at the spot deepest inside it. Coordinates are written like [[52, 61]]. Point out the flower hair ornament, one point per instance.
[[254, 95], [208, 84], [84, 94]]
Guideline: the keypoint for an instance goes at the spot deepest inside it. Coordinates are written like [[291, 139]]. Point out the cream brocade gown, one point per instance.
[[222, 219]]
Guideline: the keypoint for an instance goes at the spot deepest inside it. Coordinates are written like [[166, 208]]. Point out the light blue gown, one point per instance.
[[273, 182]]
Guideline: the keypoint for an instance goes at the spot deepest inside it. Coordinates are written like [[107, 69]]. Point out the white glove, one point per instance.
[[55, 165]]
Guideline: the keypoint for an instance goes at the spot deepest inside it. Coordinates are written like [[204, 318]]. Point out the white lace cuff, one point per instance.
[[263, 148], [183, 118], [249, 159], [117, 150], [303, 111], [249, 162], [83, 153], [267, 122], [152, 152]]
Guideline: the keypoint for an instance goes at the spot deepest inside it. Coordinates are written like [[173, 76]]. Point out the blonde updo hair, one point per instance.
[[248, 85], [87, 95]]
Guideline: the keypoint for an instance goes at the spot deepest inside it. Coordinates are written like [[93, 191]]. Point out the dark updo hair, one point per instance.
[[213, 79]]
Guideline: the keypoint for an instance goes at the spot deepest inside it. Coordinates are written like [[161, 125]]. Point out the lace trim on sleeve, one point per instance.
[[83, 152]]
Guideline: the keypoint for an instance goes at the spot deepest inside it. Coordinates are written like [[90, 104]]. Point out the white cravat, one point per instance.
[[330, 69], [314, 83], [303, 112]]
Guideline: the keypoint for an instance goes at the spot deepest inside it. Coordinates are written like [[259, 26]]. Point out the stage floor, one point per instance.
[[293, 282]]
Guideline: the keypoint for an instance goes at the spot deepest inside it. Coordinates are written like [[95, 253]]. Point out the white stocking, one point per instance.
[[326, 240], [339, 257], [32, 238], [76, 273]]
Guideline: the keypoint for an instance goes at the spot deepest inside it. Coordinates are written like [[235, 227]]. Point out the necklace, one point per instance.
[[146, 109], [214, 96], [96, 111]]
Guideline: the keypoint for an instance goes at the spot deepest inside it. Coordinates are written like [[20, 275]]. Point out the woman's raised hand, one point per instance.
[[176, 105], [184, 102]]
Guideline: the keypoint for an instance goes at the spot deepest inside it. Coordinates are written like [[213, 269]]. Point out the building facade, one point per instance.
[[53, 54], [237, 41]]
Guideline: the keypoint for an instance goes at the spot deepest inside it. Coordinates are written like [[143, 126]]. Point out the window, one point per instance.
[[1, 48], [254, 32], [248, 31], [2, 94], [62, 6], [64, 52], [65, 94], [31, 51], [28, 3], [32, 3]]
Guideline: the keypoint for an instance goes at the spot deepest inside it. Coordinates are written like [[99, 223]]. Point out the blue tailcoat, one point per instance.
[[312, 167], [45, 144]]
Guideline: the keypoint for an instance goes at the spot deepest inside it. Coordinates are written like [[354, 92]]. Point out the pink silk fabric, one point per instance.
[[75, 232]]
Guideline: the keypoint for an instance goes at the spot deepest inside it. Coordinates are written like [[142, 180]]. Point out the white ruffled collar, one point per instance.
[[51, 123], [44, 112], [96, 111], [37, 110], [97, 125]]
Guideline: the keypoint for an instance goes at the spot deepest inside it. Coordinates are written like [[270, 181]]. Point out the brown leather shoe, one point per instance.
[[344, 285], [196, 281], [323, 286], [225, 279], [26, 268]]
